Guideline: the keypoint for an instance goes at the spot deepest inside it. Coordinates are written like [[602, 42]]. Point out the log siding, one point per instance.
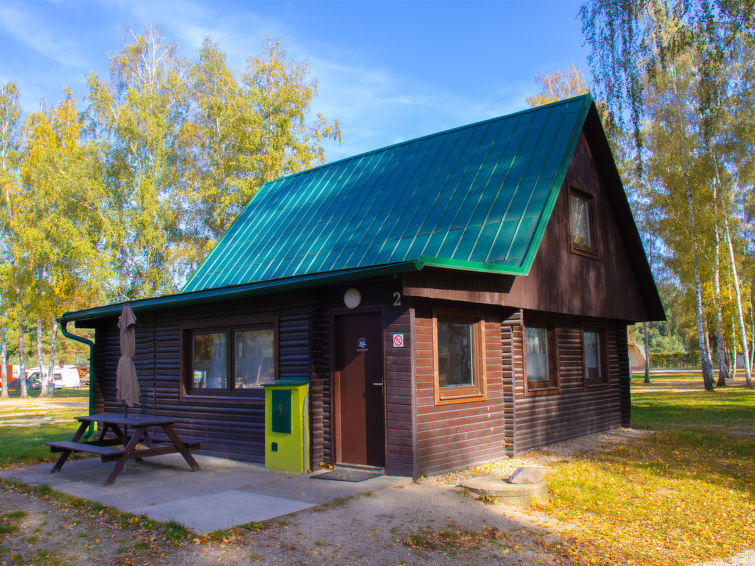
[[576, 408], [229, 426], [459, 435]]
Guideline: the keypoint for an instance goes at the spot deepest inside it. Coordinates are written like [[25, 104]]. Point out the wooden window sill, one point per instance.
[[461, 398]]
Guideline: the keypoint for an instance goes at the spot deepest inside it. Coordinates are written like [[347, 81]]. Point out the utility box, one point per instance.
[[287, 425]]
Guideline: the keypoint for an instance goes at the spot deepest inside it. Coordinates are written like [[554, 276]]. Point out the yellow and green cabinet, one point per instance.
[[436, 303]]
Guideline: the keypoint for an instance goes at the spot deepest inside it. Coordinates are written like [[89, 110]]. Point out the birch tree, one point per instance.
[[138, 115], [65, 242], [640, 53], [558, 85], [10, 112], [244, 129]]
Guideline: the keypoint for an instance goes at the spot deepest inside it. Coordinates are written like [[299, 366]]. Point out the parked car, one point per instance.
[[16, 384], [61, 377]]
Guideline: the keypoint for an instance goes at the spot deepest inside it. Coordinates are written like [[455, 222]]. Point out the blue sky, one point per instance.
[[388, 71]]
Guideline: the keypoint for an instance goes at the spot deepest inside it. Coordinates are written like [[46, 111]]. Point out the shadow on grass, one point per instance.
[[712, 457]]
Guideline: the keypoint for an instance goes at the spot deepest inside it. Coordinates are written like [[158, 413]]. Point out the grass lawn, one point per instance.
[[674, 375], [684, 494], [26, 424]]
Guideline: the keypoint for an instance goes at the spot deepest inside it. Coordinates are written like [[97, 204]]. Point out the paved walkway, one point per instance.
[[223, 494]]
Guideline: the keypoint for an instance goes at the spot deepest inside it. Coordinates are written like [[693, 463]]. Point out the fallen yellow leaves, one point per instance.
[[672, 498]]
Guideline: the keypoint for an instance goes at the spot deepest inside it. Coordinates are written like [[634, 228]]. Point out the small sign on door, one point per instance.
[[398, 340]]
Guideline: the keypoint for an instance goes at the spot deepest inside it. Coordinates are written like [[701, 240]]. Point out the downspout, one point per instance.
[[89, 343]]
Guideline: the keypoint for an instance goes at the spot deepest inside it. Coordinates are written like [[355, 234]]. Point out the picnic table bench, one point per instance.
[[124, 446]]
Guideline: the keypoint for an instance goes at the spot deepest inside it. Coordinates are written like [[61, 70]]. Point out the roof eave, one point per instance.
[[240, 291]]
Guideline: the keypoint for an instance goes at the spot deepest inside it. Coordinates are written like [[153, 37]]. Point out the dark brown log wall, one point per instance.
[[574, 409], [564, 282], [457, 435], [228, 426]]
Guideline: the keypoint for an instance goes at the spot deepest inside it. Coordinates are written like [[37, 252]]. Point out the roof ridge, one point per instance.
[[431, 135]]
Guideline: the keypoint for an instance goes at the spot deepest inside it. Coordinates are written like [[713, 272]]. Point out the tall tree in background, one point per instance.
[[674, 142], [65, 240], [241, 133], [138, 116], [558, 85], [189, 144], [639, 53], [10, 112], [125, 200]]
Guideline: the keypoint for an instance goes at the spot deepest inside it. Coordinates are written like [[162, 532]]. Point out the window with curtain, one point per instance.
[[540, 357], [537, 354], [234, 358], [593, 351]]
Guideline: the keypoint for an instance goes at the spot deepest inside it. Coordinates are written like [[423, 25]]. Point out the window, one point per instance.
[[592, 343], [537, 354], [582, 223], [236, 358], [540, 358], [458, 338]]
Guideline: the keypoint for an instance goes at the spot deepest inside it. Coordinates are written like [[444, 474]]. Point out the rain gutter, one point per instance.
[[63, 325]]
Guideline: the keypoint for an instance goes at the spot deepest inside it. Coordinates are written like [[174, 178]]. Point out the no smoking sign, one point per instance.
[[398, 340]]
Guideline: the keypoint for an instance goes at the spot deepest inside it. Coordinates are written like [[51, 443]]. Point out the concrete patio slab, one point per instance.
[[224, 493]]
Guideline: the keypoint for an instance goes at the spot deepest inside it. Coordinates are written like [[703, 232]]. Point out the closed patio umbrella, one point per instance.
[[126, 383]]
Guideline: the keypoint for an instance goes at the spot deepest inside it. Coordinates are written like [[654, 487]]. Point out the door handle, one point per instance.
[[377, 383]]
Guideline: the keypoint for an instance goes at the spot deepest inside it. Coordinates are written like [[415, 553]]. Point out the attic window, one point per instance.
[[582, 223]]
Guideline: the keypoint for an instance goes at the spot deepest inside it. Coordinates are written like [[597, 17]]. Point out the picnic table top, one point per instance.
[[130, 420]]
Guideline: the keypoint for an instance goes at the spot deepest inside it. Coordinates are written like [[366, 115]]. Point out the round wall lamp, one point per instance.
[[352, 298]]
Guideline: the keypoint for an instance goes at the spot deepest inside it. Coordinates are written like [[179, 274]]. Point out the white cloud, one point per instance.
[[27, 28], [376, 106]]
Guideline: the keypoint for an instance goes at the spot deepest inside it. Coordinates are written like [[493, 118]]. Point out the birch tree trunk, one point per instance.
[[646, 341], [44, 390], [53, 343], [21, 358], [740, 313], [723, 371], [4, 361], [704, 354], [733, 348]]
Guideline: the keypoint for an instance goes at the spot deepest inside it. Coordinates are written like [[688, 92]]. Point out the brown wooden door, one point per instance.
[[359, 381]]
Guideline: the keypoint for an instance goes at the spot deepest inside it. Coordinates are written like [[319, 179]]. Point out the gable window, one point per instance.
[[458, 340], [592, 343], [582, 223], [232, 359], [540, 358]]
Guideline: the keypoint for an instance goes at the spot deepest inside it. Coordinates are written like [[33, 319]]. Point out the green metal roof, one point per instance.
[[477, 197]]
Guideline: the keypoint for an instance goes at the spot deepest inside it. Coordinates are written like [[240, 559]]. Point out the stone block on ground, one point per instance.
[[527, 475]]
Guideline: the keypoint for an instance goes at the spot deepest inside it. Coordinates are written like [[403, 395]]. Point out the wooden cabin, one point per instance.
[[450, 299]]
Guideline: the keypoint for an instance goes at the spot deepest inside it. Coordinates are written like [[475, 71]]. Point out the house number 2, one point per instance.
[[396, 299]]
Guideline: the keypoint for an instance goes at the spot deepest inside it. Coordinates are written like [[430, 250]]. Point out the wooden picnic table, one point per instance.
[[130, 433]]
